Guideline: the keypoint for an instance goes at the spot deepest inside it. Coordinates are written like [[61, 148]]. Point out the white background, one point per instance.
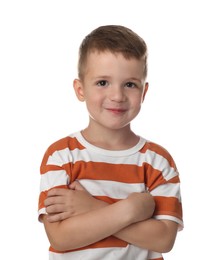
[[39, 43]]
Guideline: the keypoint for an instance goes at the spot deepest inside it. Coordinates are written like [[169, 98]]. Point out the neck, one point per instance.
[[111, 139]]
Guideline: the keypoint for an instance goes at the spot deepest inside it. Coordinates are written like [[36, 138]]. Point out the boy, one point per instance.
[[96, 184]]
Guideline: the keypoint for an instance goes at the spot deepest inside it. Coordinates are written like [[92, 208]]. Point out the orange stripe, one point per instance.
[[42, 197], [46, 168], [120, 173], [154, 177], [63, 143], [105, 171], [107, 199], [168, 206], [112, 172], [99, 171]]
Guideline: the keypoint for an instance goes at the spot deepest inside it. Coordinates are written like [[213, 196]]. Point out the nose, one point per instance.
[[116, 93]]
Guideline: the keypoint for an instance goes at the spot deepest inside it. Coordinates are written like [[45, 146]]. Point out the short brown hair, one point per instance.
[[113, 38]]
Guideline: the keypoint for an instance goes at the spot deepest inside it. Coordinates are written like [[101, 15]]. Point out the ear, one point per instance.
[[78, 87], [145, 90]]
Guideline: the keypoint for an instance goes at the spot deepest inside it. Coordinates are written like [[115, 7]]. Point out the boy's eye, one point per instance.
[[130, 85], [102, 83]]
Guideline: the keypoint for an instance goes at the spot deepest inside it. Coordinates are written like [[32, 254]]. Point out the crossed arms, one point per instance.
[[76, 219]]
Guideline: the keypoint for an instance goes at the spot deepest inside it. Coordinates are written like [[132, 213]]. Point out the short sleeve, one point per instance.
[[54, 172], [163, 182]]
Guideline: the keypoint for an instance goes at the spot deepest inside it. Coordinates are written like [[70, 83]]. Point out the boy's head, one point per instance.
[[115, 39]]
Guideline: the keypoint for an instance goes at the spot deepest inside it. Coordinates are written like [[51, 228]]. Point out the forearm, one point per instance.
[[155, 235], [152, 234], [84, 229], [96, 222]]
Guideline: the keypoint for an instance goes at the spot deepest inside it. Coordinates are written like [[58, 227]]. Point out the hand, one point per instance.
[[142, 206], [65, 203]]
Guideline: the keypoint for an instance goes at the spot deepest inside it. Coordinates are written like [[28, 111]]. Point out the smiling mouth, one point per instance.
[[116, 110]]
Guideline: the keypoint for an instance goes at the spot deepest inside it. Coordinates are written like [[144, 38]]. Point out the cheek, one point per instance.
[[92, 103], [93, 100], [137, 101]]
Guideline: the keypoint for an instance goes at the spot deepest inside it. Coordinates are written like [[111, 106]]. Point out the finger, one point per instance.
[[56, 192], [76, 186], [58, 217], [72, 186], [54, 209], [53, 200]]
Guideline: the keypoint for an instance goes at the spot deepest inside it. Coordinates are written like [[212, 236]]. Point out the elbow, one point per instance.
[[166, 247], [57, 235], [166, 244], [61, 244], [58, 246], [57, 242], [58, 239], [163, 245]]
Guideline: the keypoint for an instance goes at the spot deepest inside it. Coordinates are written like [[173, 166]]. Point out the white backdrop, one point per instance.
[[182, 112]]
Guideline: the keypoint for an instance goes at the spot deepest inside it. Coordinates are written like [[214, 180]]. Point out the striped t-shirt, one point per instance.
[[111, 176]]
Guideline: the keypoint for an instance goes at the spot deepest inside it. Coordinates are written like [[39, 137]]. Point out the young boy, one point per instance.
[[107, 193]]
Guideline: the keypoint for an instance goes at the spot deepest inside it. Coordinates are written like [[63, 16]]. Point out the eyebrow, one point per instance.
[[134, 79], [102, 77], [108, 77]]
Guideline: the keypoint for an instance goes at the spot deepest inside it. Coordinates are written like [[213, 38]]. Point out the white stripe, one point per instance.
[[172, 218], [157, 161], [61, 157], [154, 255], [42, 211], [167, 190], [53, 178], [112, 189]]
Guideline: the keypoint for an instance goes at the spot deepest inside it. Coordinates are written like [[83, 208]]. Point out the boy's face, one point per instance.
[[113, 89]]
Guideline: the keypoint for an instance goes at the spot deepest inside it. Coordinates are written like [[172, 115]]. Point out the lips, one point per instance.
[[116, 110]]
